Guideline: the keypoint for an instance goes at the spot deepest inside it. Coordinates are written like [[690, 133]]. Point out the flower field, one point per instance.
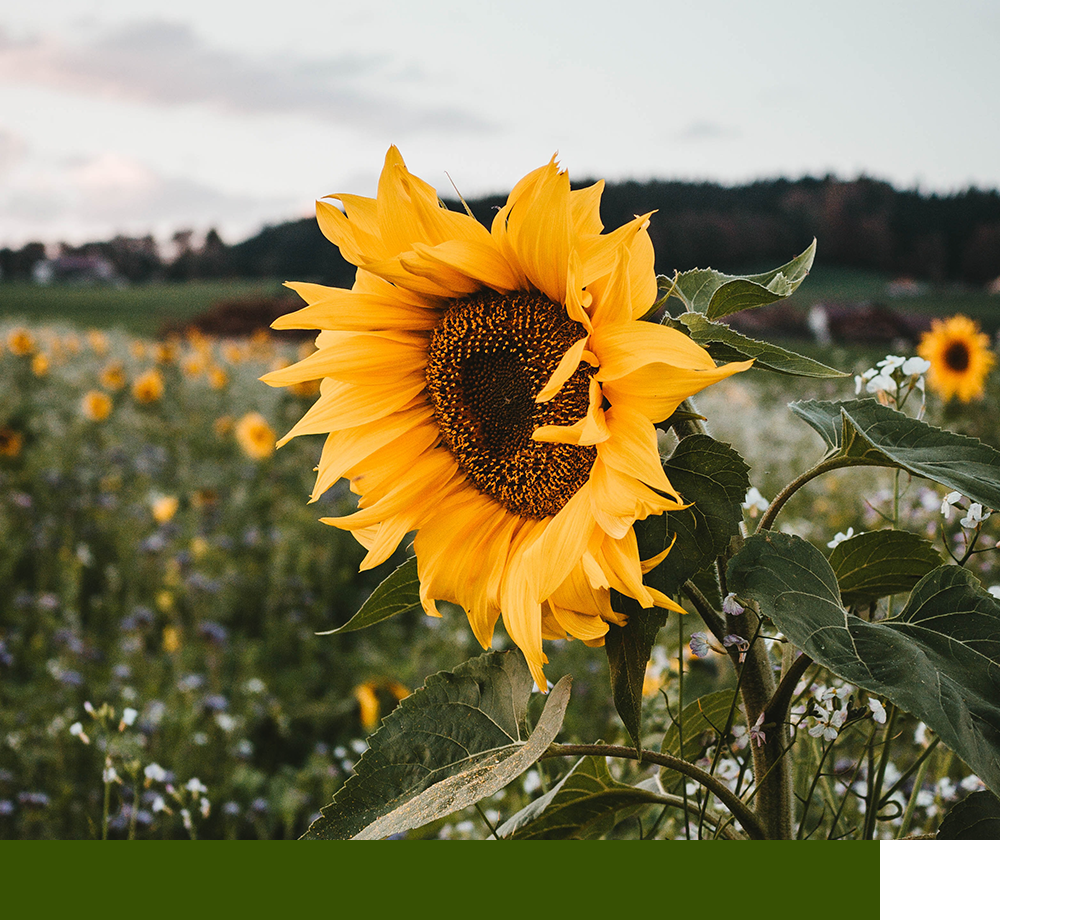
[[163, 581]]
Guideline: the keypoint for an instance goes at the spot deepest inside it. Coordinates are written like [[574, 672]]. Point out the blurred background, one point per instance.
[[159, 165]]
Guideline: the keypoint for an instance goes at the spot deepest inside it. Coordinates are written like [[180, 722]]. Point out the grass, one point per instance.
[[140, 309]]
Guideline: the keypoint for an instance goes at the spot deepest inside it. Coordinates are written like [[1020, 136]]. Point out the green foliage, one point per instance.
[[725, 344], [397, 593], [978, 817], [938, 659], [701, 723], [585, 804], [703, 290], [864, 432], [461, 737], [873, 565], [712, 478]]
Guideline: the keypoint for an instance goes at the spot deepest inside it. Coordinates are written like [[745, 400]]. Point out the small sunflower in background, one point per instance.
[[255, 436], [960, 358]]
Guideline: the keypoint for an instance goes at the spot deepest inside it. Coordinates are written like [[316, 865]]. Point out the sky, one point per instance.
[[140, 116]]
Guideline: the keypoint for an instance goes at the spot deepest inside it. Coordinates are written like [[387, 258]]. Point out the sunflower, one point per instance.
[[11, 442], [255, 436], [148, 386], [959, 356], [495, 392], [96, 406]]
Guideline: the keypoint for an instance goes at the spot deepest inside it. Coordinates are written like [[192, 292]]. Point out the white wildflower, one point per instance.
[[877, 709], [915, 367], [155, 772], [755, 500], [840, 538], [946, 505], [975, 516]]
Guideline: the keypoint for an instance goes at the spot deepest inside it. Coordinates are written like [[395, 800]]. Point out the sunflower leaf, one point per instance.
[[704, 290], [977, 817], [711, 477], [883, 562], [866, 433], [629, 649], [398, 593], [703, 717], [725, 344], [586, 804], [938, 659], [459, 738]]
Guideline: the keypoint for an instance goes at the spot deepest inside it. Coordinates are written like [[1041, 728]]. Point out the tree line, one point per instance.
[[863, 223]]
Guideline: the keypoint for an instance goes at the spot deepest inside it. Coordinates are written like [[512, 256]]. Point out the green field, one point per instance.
[[139, 309], [144, 309]]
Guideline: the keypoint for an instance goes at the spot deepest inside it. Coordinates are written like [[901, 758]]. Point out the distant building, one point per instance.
[[76, 269]]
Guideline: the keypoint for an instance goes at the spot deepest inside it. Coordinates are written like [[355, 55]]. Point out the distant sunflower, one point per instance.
[[496, 392], [255, 436], [148, 386], [96, 406], [959, 356], [11, 442]]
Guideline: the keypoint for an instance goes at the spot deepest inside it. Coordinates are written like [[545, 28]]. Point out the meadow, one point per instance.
[[164, 581]]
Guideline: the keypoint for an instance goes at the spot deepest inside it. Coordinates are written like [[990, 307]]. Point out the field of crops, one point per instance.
[[164, 583]]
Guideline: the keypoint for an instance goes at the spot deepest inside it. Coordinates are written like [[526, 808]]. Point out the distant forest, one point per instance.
[[864, 223]]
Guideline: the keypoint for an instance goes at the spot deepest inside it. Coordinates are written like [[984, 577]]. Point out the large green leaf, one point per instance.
[[715, 294], [865, 433], [586, 804], [398, 593], [714, 478], [458, 739], [978, 817], [880, 563], [725, 344], [938, 659], [685, 738], [629, 649]]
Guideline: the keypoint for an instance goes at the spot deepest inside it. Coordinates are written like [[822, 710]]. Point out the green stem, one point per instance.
[[827, 465], [909, 812], [874, 795], [743, 814], [775, 794]]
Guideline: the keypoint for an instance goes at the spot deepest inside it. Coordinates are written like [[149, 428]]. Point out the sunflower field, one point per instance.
[[164, 584]]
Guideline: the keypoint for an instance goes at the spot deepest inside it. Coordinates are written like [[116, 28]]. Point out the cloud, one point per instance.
[[708, 131], [97, 197], [12, 150], [165, 63]]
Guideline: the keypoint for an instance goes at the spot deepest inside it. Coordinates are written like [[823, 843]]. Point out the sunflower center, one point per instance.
[[490, 356], [957, 357]]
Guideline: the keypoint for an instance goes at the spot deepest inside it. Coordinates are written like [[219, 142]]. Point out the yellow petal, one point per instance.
[[568, 366]]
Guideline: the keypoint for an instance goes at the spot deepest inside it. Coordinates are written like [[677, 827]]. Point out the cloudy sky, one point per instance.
[[141, 116]]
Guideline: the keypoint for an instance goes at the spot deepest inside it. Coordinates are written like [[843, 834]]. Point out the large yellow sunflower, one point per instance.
[[959, 356], [496, 392]]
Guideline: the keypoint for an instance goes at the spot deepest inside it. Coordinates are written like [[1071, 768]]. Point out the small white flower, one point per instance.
[[915, 367], [878, 710], [225, 721], [158, 804], [731, 606], [946, 505], [204, 807], [891, 363], [186, 816], [155, 772], [863, 379], [128, 718], [840, 538], [975, 516], [109, 775], [995, 590], [76, 729], [194, 785], [827, 724], [879, 383], [754, 499]]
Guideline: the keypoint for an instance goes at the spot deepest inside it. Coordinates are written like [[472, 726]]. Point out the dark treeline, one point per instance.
[[863, 223]]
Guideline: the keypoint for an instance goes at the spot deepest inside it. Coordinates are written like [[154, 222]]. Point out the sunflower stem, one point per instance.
[[742, 812], [775, 797]]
